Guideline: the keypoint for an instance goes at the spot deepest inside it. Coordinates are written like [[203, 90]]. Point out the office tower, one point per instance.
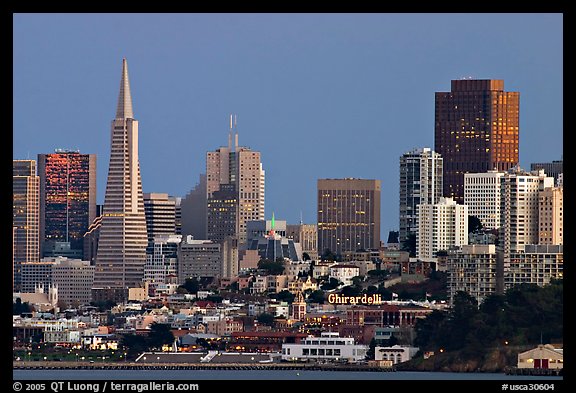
[[121, 254], [222, 213], [35, 274], [74, 279], [420, 182], [262, 228], [194, 210], [472, 269], [348, 214], [241, 168], [552, 169], [67, 198], [551, 216], [230, 258], [307, 236], [91, 238], [482, 196], [25, 216], [198, 258], [441, 226], [160, 212], [519, 208], [535, 264], [272, 245], [476, 130], [163, 260]]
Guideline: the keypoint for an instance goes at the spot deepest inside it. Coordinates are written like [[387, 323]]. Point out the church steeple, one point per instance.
[[124, 109]]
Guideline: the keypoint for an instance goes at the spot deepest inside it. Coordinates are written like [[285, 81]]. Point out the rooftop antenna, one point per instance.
[[301, 221], [230, 134], [236, 132]]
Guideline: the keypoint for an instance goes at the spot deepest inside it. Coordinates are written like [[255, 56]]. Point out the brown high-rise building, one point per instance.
[[348, 215], [476, 130], [67, 198]]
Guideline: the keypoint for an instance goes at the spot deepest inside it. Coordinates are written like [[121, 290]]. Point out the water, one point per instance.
[[193, 375]]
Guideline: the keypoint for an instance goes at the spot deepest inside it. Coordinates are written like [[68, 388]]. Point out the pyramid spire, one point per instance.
[[124, 109]]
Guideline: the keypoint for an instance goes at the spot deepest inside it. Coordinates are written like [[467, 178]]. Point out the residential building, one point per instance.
[[476, 130], [440, 227], [348, 214], [536, 264], [551, 216], [482, 196], [472, 269], [519, 208], [420, 183], [344, 272], [67, 198], [121, 253], [25, 217]]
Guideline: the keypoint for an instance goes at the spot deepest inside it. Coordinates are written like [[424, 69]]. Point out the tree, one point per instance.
[[317, 297], [266, 319], [214, 298], [474, 224], [331, 284], [159, 335], [284, 296], [306, 256], [134, 344], [410, 244], [191, 285], [18, 307], [271, 267], [371, 349]]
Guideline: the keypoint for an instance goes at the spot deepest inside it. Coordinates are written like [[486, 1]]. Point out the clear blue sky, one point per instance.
[[319, 95]]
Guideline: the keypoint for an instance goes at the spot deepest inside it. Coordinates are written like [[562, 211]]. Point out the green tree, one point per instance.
[[328, 255], [410, 244], [306, 256], [191, 285], [159, 335], [266, 319], [283, 296], [134, 345], [371, 349], [317, 296], [474, 224], [18, 307], [332, 283], [271, 267]]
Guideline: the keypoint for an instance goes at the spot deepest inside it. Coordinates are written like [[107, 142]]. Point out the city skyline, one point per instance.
[[292, 90]]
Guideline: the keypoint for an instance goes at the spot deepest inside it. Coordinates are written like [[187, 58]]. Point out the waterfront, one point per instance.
[[194, 375]]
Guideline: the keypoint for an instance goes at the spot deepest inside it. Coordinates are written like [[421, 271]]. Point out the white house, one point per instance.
[[396, 353], [344, 273], [328, 347]]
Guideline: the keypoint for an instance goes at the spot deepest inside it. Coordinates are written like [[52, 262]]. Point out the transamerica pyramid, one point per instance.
[[122, 244]]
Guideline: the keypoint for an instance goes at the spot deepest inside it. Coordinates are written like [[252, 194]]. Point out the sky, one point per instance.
[[319, 95]]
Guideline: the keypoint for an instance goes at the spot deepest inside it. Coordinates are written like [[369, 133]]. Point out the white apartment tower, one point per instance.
[[519, 208], [420, 183], [482, 196], [241, 168], [441, 226], [121, 254]]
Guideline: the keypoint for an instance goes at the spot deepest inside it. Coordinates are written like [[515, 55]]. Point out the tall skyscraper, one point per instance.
[[242, 168], [26, 216], [67, 197], [476, 130], [121, 254], [348, 214], [420, 182], [440, 227]]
